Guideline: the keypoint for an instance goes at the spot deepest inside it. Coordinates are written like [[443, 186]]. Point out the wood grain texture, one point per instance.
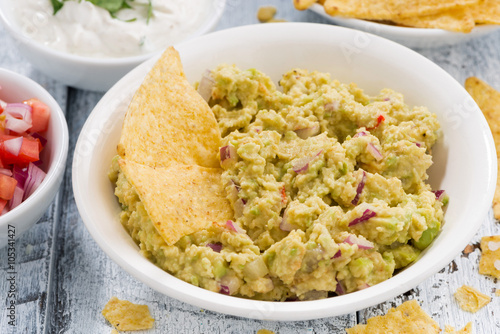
[[64, 279]]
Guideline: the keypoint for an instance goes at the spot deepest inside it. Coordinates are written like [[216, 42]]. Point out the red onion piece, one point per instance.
[[34, 179], [206, 85], [20, 175], [216, 247], [360, 134], [374, 151], [5, 171], [301, 165], [340, 290], [228, 155], [234, 227], [359, 189], [440, 194], [16, 125], [17, 198], [13, 146], [367, 214], [19, 111], [307, 132], [332, 106], [224, 289], [337, 255], [418, 144], [255, 269], [42, 139], [362, 243], [363, 286], [230, 283], [285, 225]]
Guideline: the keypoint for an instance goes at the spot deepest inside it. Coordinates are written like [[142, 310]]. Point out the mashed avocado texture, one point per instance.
[[327, 185]]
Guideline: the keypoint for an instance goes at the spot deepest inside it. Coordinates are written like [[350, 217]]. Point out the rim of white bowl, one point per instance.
[[167, 284], [57, 167], [208, 25], [399, 31]]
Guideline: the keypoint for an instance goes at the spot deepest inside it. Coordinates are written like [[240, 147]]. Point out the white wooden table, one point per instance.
[[64, 279]]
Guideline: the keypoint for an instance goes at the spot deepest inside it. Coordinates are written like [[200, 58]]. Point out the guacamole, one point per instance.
[[327, 185]]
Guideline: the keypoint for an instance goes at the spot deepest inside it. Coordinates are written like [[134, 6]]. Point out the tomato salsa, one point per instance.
[[22, 129]]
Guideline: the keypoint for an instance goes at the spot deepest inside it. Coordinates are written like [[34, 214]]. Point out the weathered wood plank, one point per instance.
[[34, 248]]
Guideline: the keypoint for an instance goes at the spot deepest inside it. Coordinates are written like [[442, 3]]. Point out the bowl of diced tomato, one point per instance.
[[33, 152]]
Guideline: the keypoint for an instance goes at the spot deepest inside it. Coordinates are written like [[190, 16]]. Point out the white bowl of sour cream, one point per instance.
[[90, 47]]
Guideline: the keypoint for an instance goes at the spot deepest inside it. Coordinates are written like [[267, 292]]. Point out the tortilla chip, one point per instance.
[[264, 331], [180, 199], [486, 12], [390, 9], [168, 121], [488, 99], [408, 318], [497, 292], [303, 4], [466, 330], [458, 19], [470, 299], [126, 316], [490, 256], [114, 331]]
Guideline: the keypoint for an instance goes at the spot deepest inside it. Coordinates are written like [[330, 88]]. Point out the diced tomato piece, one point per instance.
[[29, 152], [2, 164], [3, 203], [4, 137], [7, 186], [40, 115]]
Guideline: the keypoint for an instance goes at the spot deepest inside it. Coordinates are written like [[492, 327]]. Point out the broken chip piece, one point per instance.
[[470, 299], [407, 318], [126, 316], [488, 100], [490, 256], [466, 330]]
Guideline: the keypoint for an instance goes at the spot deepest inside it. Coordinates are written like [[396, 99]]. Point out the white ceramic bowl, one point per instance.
[[16, 88], [411, 37], [97, 74], [465, 160]]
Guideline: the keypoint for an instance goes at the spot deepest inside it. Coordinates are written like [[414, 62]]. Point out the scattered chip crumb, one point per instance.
[[470, 299], [114, 331], [264, 331], [407, 318], [126, 316], [466, 330], [490, 256], [266, 13], [497, 292]]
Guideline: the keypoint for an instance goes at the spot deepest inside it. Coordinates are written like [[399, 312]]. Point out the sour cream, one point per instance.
[[84, 29]]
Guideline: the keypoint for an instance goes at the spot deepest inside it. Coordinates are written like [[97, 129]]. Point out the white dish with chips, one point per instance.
[[465, 160], [410, 37]]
